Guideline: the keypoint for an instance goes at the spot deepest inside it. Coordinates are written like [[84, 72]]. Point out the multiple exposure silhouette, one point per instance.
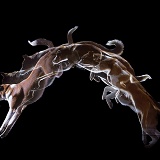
[[26, 86]]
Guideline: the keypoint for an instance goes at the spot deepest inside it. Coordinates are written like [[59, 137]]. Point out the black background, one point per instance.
[[71, 119]]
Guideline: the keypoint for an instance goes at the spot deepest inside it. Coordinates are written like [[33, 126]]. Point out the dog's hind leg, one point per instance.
[[154, 134], [149, 123]]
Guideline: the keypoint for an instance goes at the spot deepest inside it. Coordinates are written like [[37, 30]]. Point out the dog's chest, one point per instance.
[[9, 91]]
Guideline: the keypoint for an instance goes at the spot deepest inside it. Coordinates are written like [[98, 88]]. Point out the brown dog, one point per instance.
[[129, 92]]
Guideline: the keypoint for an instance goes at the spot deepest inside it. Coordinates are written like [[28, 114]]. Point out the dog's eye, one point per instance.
[[1, 88]]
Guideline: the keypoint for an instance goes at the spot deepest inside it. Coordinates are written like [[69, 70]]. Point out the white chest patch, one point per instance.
[[8, 93]]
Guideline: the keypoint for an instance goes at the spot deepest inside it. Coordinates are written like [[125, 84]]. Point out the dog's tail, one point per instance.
[[119, 46], [41, 41], [117, 50]]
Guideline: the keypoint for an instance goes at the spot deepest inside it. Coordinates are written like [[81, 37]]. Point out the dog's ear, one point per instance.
[[1, 88]]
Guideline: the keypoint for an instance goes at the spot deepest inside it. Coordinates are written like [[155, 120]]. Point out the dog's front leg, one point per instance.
[[143, 78], [93, 76], [110, 96], [6, 121], [12, 120]]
